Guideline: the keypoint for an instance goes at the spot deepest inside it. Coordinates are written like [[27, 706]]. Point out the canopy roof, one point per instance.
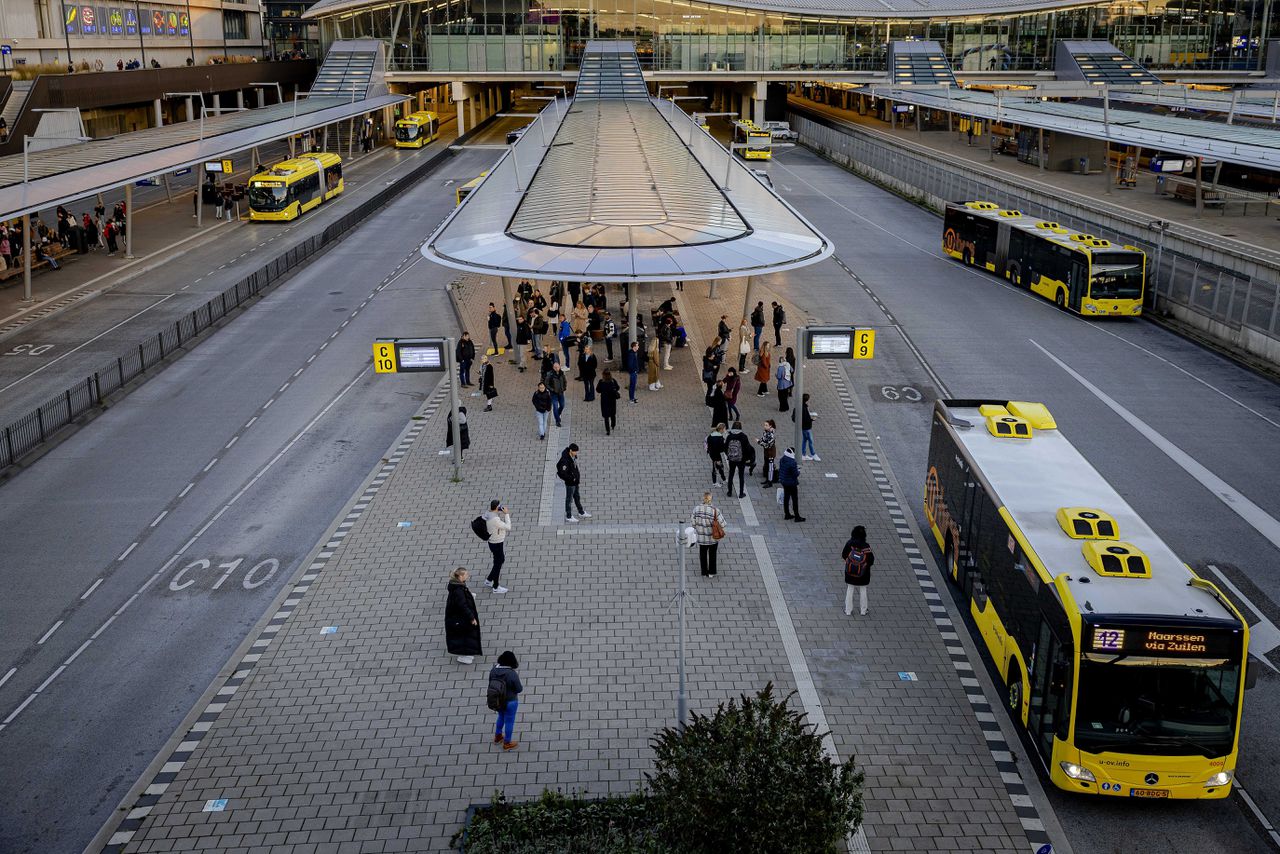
[[608, 187]]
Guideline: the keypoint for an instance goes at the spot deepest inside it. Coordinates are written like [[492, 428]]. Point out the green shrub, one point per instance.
[[752, 778], [560, 823]]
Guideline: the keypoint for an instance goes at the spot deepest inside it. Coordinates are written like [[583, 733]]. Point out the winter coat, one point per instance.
[[732, 385], [710, 367], [715, 446], [757, 317], [702, 519], [466, 432], [784, 375], [498, 524], [737, 437], [788, 471], [806, 419], [609, 392], [631, 361], [557, 382], [567, 468], [587, 368], [495, 320], [871, 559], [461, 637], [487, 384], [779, 315], [719, 407], [465, 351], [763, 369], [744, 340], [542, 401], [514, 687]]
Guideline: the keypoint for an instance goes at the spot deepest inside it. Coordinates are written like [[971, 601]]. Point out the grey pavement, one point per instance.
[[371, 738]]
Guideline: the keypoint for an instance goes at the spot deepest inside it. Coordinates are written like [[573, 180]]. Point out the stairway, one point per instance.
[[13, 105]]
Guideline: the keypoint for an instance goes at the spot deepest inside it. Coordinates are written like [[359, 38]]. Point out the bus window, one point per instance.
[[1079, 281], [267, 197], [332, 175]]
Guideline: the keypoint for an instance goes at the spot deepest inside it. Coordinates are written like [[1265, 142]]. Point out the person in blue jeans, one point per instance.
[[557, 382], [631, 362], [505, 671]]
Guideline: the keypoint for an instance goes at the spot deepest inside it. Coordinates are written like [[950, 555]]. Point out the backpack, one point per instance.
[[733, 449], [480, 527], [855, 565], [496, 695]]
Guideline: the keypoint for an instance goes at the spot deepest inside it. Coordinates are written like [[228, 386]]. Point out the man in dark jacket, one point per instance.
[[779, 318], [757, 324], [567, 471], [722, 328], [789, 477], [542, 407], [465, 353], [494, 322], [631, 362], [736, 448], [461, 619], [557, 382], [587, 364]]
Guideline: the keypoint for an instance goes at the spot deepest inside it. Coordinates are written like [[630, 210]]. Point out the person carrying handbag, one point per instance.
[[708, 523]]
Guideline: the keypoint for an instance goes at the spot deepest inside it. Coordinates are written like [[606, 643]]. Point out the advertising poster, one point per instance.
[[88, 20], [184, 23], [171, 25], [157, 22], [115, 21], [144, 22]]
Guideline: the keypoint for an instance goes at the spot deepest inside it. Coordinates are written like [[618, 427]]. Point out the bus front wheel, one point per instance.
[[968, 259], [1061, 298], [1015, 688]]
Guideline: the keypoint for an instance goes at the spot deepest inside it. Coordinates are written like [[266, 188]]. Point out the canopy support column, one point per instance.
[[128, 222], [26, 260], [509, 311]]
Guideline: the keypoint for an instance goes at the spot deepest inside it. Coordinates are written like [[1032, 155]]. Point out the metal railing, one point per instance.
[[1235, 300]]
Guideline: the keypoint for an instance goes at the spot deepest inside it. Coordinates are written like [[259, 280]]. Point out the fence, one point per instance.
[[31, 430], [1239, 309]]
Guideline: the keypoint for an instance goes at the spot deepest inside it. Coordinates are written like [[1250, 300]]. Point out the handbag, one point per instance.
[[717, 530]]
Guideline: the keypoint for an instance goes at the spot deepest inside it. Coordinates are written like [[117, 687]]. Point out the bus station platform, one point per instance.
[[342, 723]]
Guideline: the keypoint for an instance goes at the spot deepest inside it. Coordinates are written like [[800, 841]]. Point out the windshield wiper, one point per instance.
[[1208, 752]]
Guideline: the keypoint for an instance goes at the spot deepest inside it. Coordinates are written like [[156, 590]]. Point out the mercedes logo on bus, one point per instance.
[[1152, 779]]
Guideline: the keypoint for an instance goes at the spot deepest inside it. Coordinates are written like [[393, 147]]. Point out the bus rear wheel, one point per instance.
[[968, 259], [1015, 688]]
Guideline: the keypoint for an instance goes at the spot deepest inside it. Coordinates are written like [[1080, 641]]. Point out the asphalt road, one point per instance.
[[140, 551], [947, 329]]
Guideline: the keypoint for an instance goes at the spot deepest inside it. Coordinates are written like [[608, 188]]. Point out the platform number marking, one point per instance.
[[864, 344], [213, 575], [384, 357], [30, 350], [902, 393]]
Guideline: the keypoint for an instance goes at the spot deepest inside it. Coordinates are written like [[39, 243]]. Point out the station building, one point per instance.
[[761, 36]]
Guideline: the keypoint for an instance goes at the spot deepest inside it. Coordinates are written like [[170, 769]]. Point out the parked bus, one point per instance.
[[1080, 272], [293, 187], [756, 141], [417, 129], [465, 189], [1125, 667]]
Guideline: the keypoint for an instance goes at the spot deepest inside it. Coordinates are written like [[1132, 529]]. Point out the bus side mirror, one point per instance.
[[1250, 672]]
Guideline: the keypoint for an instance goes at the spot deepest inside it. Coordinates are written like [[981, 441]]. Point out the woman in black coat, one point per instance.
[[719, 404], [464, 433], [487, 383], [609, 392], [461, 619]]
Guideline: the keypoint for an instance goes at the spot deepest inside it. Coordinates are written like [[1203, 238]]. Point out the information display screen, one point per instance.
[[830, 343], [1166, 642], [427, 356]]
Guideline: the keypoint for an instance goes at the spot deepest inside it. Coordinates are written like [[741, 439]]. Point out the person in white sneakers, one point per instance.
[[461, 619], [567, 471], [858, 559], [498, 521]]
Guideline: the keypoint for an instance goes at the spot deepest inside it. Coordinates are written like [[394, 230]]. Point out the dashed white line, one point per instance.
[[79, 650], [310, 359], [126, 604], [185, 490], [163, 513], [132, 546], [92, 587], [49, 633], [268, 403], [234, 439], [331, 337], [299, 371], [344, 323], [52, 676], [326, 344], [8, 676], [282, 388], [249, 423], [18, 710], [212, 463]]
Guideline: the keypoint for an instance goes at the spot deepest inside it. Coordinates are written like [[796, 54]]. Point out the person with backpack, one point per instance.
[[764, 364], [757, 324], [557, 382], [465, 354], [858, 559], [609, 391], [785, 382], [806, 430], [567, 471], [487, 383], [502, 696], [715, 450], [498, 523], [542, 408], [464, 434], [461, 619], [736, 447], [779, 318], [789, 477], [708, 522], [566, 337]]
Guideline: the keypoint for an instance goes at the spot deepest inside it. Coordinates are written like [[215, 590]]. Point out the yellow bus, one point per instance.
[[1086, 274], [1125, 667], [465, 189], [293, 187], [417, 129], [756, 142]]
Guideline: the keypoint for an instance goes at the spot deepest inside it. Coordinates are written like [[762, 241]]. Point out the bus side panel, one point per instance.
[[940, 490], [957, 233]]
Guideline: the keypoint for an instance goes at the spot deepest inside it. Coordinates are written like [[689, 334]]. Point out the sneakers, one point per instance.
[[848, 613], [501, 589], [542, 437], [815, 458], [497, 738], [864, 613], [667, 368], [571, 518], [657, 385], [488, 583], [742, 494], [806, 456], [466, 659], [584, 514], [510, 745]]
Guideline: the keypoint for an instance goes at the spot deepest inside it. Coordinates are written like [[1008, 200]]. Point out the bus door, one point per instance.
[[1049, 675], [966, 550], [1002, 248], [1077, 281]]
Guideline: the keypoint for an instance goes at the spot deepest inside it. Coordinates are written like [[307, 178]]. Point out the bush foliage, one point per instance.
[[560, 823]]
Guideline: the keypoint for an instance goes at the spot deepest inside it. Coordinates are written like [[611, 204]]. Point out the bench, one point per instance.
[[55, 251], [1186, 192]]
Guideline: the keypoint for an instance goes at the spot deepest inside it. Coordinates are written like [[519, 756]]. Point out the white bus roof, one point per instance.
[[1033, 478]]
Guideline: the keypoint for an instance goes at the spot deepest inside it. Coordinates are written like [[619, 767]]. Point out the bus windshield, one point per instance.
[[406, 132], [1162, 706], [759, 140], [1116, 275], [263, 197]]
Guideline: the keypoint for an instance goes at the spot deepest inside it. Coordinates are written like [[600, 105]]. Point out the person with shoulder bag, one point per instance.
[[708, 523], [461, 619], [858, 559]]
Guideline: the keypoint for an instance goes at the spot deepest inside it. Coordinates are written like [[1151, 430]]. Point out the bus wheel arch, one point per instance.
[[1013, 679], [950, 562], [1060, 298], [968, 258]]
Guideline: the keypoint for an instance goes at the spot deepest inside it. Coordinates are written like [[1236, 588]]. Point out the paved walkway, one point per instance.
[[342, 724], [1258, 229]]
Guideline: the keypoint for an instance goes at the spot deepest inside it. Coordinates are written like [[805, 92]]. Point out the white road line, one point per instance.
[[8, 676], [310, 359], [52, 676], [126, 604], [132, 546], [185, 490], [79, 650], [92, 587], [1259, 519], [18, 710], [213, 462], [283, 387], [805, 687], [298, 372], [163, 513], [1264, 636], [52, 362], [1257, 812], [234, 439], [268, 403], [102, 628], [249, 423], [49, 633]]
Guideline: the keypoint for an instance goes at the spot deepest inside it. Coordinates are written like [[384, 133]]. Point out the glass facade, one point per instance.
[[531, 35]]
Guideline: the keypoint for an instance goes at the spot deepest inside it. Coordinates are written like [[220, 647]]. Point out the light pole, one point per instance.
[[682, 593], [1163, 226], [26, 145]]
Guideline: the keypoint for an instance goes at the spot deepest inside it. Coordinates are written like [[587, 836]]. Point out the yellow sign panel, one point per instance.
[[864, 344], [227, 167], [384, 357]]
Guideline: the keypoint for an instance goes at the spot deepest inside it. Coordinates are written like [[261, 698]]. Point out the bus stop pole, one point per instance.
[[509, 311], [797, 401], [199, 197], [26, 262], [746, 302], [449, 344], [128, 221]]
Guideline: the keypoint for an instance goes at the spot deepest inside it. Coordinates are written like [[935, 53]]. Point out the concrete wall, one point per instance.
[[1223, 288]]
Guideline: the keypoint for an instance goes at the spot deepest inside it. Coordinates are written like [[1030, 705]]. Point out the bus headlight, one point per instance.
[[1222, 778], [1091, 308], [1077, 772]]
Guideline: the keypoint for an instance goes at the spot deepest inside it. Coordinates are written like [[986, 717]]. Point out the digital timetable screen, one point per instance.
[[414, 357], [1207, 642]]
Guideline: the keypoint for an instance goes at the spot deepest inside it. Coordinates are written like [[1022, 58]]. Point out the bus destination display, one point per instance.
[[1142, 640]]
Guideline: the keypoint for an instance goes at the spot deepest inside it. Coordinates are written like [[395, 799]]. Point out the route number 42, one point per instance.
[[257, 575]]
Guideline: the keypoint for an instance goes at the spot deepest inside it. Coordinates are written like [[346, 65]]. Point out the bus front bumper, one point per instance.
[[1107, 308], [1147, 777]]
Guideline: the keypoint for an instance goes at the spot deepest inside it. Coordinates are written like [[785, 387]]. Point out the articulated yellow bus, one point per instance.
[[417, 129], [294, 187], [756, 141], [1080, 272], [1125, 667], [465, 189]]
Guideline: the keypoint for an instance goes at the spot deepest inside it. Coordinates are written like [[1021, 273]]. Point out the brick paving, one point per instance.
[[372, 738]]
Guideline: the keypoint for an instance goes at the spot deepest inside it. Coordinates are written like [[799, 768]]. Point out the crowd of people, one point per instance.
[[70, 233]]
